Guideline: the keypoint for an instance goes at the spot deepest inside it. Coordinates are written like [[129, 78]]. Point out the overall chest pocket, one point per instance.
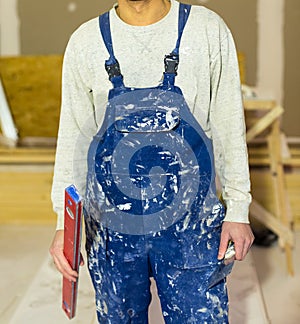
[[145, 119]]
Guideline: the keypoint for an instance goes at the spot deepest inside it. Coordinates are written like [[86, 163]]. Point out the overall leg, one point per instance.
[[184, 261], [185, 297], [118, 267]]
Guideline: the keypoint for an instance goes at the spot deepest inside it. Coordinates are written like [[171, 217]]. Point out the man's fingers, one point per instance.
[[247, 245], [239, 250], [223, 246], [242, 247], [242, 236], [64, 268], [60, 261]]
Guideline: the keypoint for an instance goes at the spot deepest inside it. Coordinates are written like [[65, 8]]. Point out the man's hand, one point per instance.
[[61, 263], [242, 236]]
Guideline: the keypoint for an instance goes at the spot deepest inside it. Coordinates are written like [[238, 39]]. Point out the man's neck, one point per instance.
[[142, 12]]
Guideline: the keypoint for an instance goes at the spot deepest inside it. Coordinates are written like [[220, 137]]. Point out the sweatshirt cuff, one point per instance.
[[60, 222], [237, 211]]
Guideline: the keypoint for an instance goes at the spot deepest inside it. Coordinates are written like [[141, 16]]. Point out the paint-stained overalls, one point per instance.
[[150, 206]]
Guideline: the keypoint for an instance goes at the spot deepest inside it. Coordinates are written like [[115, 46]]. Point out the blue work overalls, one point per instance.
[[150, 206]]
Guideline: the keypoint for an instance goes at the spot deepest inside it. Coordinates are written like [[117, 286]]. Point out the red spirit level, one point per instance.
[[72, 241]]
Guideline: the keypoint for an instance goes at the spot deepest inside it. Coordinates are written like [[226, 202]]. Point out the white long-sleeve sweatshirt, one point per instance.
[[208, 75]]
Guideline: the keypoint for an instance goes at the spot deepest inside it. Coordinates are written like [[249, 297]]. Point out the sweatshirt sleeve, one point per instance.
[[76, 103], [228, 131]]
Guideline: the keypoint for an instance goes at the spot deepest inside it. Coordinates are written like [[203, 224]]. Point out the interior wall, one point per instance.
[[45, 26], [291, 120], [270, 51], [240, 16], [9, 21]]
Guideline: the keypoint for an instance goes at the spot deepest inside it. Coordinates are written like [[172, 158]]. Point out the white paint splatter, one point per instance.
[[126, 206]]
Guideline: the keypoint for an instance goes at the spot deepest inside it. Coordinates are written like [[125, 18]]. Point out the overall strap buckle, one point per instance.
[[113, 70], [171, 63]]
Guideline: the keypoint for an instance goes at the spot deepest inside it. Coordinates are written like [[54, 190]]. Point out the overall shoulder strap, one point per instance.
[[172, 60], [104, 24], [184, 12], [111, 65]]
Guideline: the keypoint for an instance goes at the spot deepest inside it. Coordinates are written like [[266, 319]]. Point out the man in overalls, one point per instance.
[[151, 105]]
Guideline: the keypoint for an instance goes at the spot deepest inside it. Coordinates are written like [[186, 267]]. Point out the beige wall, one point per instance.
[[291, 120], [45, 26], [260, 29], [240, 16]]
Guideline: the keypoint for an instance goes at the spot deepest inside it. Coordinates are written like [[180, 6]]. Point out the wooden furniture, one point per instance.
[[263, 125]]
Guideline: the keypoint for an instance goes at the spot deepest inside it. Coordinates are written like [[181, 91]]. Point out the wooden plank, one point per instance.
[[258, 104], [27, 155], [265, 161], [27, 159], [293, 162], [264, 123], [283, 210], [259, 161], [25, 151]]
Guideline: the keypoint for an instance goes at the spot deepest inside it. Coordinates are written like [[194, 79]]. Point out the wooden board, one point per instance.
[[25, 196], [32, 85], [23, 156]]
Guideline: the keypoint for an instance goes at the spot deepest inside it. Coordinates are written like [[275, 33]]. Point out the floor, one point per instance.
[[260, 289]]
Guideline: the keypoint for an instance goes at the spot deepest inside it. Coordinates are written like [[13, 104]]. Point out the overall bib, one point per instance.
[[150, 205]]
